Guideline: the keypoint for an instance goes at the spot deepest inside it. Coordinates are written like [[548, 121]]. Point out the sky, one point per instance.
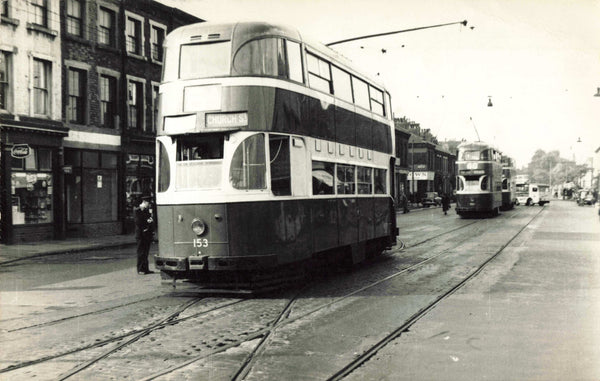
[[538, 61]]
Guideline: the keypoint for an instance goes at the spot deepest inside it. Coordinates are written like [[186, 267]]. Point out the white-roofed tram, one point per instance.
[[479, 179], [272, 150]]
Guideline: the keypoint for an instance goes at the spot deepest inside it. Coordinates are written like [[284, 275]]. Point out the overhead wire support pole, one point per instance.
[[464, 23]]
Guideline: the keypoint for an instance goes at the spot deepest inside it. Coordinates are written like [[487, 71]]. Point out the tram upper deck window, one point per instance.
[[265, 57], [319, 74], [248, 167], [202, 60], [475, 155], [342, 86]]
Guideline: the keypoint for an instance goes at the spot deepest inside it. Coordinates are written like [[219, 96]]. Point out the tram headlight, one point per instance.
[[198, 226]]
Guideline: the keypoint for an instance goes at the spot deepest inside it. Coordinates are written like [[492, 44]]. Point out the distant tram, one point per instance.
[[479, 179], [508, 183], [272, 151]]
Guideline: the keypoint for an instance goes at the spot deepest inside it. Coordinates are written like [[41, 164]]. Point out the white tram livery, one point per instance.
[[479, 179], [272, 151]]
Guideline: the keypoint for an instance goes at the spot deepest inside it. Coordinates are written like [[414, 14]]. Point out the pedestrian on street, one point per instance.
[[404, 202], [445, 203], [143, 234]]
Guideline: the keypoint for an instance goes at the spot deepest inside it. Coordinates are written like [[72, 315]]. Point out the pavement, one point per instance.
[[22, 251]]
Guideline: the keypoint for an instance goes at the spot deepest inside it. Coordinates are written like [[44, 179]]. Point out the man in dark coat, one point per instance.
[[143, 235], [445, 203]]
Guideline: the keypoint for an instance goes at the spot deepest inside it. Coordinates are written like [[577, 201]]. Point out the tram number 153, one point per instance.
[[200, 242]]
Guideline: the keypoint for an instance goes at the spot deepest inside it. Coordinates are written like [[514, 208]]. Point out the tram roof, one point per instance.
[[476, 145], [241, 31]]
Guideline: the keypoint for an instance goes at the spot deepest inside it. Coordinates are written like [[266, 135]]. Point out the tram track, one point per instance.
[[369, 353], [283, 319], [169, 320], [263, 335]]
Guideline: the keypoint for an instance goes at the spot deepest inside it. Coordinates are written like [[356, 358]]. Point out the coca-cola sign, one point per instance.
[[20, 151]]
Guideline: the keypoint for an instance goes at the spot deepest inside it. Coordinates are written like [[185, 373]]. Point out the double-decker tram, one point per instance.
[[508, 183], [272, 151], [479, 179]]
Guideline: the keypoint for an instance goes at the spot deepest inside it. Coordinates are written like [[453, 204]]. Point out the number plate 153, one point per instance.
[[200, 242]]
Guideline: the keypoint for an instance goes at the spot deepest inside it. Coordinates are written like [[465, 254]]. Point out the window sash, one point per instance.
[[41, 86], [133, 33], [135, 105], [74, 17], [76, 105], [106, 22], [4, 79], [107, 100], [157, 38], [40, 12]]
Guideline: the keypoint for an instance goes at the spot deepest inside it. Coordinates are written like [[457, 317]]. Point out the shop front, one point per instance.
[[31, 182], [91, 192], [420, 182], [139, 182]]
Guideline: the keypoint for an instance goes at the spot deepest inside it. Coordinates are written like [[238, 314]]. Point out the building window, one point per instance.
[[32, 188], [133, 33], [41, 86], [4, 79], [135, 105], [156, 42], [4, 8], [74, 17], [106, 27], [40, 12], [77, 92], [108, 101], [155, 107]]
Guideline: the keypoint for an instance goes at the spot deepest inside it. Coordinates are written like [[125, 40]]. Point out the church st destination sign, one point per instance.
[[20, 151]]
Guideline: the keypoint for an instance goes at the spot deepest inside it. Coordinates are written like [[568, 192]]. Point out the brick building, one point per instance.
[[31, 127], [105, 60]]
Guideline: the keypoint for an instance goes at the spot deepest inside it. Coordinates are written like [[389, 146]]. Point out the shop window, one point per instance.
[[32, 188]]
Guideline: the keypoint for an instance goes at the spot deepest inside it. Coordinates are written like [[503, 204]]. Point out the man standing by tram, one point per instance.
[[143, 235]]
